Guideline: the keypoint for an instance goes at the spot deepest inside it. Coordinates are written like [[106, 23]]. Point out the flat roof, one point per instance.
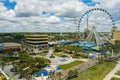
[[36, 35], [37, 38], [36, 41], [9, 44]]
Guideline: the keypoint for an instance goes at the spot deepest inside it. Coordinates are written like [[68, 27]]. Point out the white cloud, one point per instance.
[[27, 15], [9, 14], [2, 10], [52, 19], [108, 3], [69, 9]]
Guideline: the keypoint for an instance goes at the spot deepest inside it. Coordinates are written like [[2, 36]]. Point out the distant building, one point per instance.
[[37, 40], [51, 37], [8, 46], [115, 35]]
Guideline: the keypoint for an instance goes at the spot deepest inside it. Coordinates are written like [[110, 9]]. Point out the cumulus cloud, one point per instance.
[[25, 8], [60, 15], [69, 8], [52, 19], [2, 10]]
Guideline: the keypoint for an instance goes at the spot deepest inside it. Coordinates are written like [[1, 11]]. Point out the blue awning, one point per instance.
[[108, 52], [89, 44], [42, 73], [63, 42], [76, 44], [58, 68], [105, 53]]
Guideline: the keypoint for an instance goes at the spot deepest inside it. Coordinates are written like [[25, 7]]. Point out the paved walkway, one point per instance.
[[116, 76], [112, 73], [8, 72]]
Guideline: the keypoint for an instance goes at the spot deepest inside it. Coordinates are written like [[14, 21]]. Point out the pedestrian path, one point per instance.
[[112, 73], [116, 76], [81, 67]]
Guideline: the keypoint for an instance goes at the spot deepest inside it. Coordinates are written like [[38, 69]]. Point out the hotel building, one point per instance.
[[37, 40]]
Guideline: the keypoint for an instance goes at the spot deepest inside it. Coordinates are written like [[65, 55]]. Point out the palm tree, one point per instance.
[[77, 50], [2, 64], [42, 62], [108, 47], [70, 74], [57, 48], [59, 74], [10, 52], [3, 61], [76, 72]]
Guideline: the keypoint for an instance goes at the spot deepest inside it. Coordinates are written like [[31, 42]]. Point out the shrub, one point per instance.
[[84, 55]]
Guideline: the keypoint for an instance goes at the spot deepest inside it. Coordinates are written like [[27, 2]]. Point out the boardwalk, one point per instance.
[[80, 68]]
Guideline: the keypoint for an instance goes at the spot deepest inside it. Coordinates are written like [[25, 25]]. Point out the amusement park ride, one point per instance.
[[92, 34]]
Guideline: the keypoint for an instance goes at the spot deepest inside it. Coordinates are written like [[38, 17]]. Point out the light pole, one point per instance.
[[112, 53]]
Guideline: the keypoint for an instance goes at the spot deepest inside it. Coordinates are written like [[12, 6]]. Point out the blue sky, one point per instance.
[[9, 5], [55, 15], [90, 2]]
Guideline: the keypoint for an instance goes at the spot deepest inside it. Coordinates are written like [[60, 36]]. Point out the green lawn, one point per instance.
[[115, 78], [118, 73], [41, 54], [59, 54], [97, 72], [66, 66]]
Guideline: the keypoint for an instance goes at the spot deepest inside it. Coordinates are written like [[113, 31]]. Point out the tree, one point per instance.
[[3, 61], [57, 48], [108, 47], [70, 74], [116, 46], [2, 64], [77, 50], [76, 72], [59, 74], [10, 52], [25, 57], [41, 62], [27, 65]]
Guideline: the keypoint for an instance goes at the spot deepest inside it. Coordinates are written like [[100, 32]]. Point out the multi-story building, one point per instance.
[[115, 35], [37, 40]]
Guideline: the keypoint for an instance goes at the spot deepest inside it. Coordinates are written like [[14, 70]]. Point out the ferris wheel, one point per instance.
[[94, 23]]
